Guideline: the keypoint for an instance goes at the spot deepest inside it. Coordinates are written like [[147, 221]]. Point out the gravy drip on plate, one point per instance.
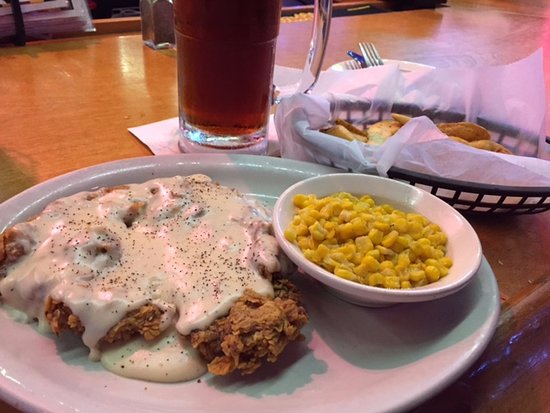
[[185, 244], [169, 358]]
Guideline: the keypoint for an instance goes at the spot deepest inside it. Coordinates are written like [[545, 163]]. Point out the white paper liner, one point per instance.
[[511, 95]]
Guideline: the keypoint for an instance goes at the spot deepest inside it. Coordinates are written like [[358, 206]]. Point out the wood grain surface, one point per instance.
[[67, 104]]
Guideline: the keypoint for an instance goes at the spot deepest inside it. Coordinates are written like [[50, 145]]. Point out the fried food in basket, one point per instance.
[[467, 133], [466, 130], [379, 132], [402, 119], [347, 131], [489, 145]]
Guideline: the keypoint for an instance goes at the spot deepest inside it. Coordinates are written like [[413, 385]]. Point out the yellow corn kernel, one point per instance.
[[346, 215], [415, 225], [345, 273], [375, 279], [427, 251], [374, 254], [438, 253], [329, 225], [320, 253], [300, 200], [290, 234], [361, 270], [370, 263], [330, 241], [390, 239], [357, 258], [406, 284], [368, 200], [386, 264], [344, 231], [364, 244], [362, 207], [329, 263], [376, 236], [305, 243], [403, 274], [403, 259], [346, 204], [417, 275], [445, 262], [416, 248], [327, 210], [392, 282], [339, 257], [301, 230], [307, 218], [358, 227], [347, 251], [401, 225], [397, 248], [382, 226], [432, 273], [431, 261], [309, 254], [404, 240], [317, 231], [389, 272], [384, 251]]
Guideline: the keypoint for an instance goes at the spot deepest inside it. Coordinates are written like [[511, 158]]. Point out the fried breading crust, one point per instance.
[[11, 248], [144, 320], [257, 328]]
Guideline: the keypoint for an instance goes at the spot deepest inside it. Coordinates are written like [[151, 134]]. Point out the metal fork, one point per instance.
[[351, 65], [371, 55]]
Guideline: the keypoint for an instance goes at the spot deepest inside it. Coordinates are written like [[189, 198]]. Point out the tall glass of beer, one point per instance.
[[225, 61]]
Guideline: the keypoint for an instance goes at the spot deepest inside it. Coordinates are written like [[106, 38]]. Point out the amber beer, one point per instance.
[[225, 58]]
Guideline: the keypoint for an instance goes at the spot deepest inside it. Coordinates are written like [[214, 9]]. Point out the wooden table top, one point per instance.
[[67, 104]]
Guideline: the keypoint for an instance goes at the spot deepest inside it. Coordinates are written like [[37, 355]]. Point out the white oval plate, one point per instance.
[[404, 66], [353, 359]]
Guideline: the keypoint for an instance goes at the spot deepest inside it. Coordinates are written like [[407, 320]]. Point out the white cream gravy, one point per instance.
[[192, 250], [169, 358]]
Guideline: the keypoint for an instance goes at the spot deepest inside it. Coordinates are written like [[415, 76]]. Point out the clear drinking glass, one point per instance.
[[225, 61]]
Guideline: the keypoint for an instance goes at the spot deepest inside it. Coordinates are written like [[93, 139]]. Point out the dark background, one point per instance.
[[104, 9]]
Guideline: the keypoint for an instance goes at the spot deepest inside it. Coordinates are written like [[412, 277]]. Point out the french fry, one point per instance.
[[459, 140], [465, 130], [342, 132], [351, 127], [379, 132], [402, 119], [490, 146]]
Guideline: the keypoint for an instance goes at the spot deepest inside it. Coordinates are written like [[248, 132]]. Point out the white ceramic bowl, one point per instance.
[[463, 245]]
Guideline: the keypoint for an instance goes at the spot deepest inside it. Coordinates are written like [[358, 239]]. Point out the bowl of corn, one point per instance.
[[375, 241]]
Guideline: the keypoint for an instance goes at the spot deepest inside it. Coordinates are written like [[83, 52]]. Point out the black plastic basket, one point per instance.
[[467, 197]]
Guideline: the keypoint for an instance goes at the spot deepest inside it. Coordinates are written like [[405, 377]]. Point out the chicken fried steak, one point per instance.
[[179, 257]]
